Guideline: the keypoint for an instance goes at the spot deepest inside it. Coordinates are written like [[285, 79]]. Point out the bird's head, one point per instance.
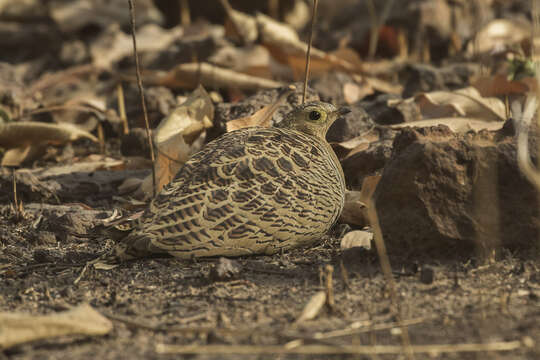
[[313, 118]]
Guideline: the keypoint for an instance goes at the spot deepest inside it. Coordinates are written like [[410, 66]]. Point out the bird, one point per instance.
[[252, 191]]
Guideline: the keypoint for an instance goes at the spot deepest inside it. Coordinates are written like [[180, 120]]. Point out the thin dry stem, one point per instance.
[[185, 13], [374, 35], [273, 9], [387, 271], [331, 349], [141, 92], [15, 198], [376, 23], [122, 107], [313, 16], [330, 286], [101, 138], [522, 119], [535, 51]]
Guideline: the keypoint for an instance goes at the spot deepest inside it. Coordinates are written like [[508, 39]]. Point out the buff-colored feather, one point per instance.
[[251, 191]]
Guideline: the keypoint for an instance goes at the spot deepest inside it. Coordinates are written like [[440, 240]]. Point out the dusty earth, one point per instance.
[[167, 301]]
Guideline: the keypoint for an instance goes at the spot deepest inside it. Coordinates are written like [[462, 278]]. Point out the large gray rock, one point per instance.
[[447, 193]]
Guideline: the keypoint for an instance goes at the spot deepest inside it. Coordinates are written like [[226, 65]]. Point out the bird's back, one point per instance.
[[251, 191]]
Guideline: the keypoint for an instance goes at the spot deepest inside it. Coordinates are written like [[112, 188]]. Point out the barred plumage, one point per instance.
[[251, 191]]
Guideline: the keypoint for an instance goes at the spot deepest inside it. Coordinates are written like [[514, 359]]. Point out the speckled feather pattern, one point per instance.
[[251, 191]]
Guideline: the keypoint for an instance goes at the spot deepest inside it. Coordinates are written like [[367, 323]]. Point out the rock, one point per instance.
[[135, 143], [425, 78], [225, 269], [427, 275], [446, 193], [382, 114], [369, 160], [350, 126]]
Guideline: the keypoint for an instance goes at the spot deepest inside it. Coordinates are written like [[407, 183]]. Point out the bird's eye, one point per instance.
[[314, 115]]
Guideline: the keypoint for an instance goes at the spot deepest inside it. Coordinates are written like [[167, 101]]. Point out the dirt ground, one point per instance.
[[167, 301]]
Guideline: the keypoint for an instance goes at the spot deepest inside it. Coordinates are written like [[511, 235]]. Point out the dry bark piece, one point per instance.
[[191, 74], [17, 328]]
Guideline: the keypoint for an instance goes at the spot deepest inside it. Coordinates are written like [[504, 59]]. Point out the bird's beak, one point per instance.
[[341, 112]]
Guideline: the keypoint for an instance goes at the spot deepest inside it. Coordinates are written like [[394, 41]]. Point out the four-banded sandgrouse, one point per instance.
[[251, 191]]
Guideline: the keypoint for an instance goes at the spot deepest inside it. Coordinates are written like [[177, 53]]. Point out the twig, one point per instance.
[[15, 199], [369, 328], [329, 349], [376, 23], [122, 107], [81, 108], [185, 13], [101, 138], [522, 120], [314, 14], [141, 92], [387, 270], [329, 269], [535, 51]]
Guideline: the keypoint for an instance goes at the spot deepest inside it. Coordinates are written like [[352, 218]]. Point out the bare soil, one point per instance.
[[167, 301]]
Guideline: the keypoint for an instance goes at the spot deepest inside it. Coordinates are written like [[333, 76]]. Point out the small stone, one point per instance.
[[225, 269], [427, 275]]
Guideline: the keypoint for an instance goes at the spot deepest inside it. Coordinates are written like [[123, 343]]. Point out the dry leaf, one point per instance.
[[357, 238], [498, 85], [263, 117], [113, 44], [191, 74], [499, 35], [24, 133], [72, 16], [242, 25], [381, 85], [353, 92], [20, 155], [254, 60], [313, 307], [285, 45], [104, 266], [350, 147], [17, 328], [176, 137], [466, 102], [26, 140]]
